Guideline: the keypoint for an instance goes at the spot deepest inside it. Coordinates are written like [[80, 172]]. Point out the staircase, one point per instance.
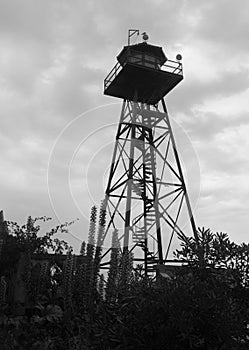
[[138, 187], [151, 118], [152, 259], [146, 219]]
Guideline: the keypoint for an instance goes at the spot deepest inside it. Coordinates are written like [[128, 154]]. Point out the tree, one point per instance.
[[203, 307], [27, 239], [217, 251]]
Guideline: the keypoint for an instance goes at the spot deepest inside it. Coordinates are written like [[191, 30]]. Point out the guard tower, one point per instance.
[[146, 193]]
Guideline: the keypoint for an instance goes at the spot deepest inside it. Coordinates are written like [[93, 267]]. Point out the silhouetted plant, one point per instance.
[[125, 273], [80, 278], [27, 236], [1, 247], [217, 251], [43, 281], [204, 306], [88, 268], [67, 283], [27, 272], [3, 289], [81, 286], [101, 287], [83, 248], [100, 238], [112, 280]]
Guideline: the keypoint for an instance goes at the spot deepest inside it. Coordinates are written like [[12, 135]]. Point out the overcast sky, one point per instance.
[[57, 127]]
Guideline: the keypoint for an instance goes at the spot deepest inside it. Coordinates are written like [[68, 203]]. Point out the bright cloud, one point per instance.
[[54, 57]]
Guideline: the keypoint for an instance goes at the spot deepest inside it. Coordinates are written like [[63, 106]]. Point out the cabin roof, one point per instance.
[[144, 48]]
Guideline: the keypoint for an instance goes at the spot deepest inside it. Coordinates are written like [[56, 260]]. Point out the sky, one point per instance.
[[57, 128]]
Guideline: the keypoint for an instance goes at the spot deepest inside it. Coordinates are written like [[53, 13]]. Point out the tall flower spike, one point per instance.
[[83, 248], [3, 289], [82, 285], [101, 231], [125, 272], [91, 234], [102, 222], [92, 226], [68, 274], [112, 280], [101, 286], [87, 283]]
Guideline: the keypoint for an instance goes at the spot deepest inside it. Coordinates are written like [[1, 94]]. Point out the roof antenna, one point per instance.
[[131, 32]]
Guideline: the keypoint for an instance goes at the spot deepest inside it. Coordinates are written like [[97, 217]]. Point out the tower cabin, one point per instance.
[[143, 74]]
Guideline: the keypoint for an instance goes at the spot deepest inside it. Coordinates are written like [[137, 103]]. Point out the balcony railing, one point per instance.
[[112, 75], [140, 59]]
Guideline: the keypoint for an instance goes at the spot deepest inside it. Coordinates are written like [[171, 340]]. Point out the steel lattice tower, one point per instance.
[[146, 192]]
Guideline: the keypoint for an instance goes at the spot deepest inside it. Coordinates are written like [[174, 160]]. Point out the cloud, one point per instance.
[[54, 57], [216, 25], [30, 21]]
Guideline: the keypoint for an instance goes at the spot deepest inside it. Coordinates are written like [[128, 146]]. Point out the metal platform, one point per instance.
[[139, 82]]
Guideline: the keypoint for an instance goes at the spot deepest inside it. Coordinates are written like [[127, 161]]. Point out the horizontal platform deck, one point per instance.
[[136, 82]]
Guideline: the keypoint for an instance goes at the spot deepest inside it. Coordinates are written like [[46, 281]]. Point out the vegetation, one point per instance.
[[71, 305]]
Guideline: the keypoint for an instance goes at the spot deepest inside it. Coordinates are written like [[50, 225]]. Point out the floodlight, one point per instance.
[[145, 36]]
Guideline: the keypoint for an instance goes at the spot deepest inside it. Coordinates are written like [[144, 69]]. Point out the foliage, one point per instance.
[[216, 250], [204, 306], [194, 311], [67, 285], [112, 281], [26, 239], [27, 236]]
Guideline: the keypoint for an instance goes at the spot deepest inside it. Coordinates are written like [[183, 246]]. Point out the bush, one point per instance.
[[204, 305]]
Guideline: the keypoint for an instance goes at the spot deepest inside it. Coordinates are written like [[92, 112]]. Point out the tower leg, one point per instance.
[[146, 189], [190, 213], [129, 189]]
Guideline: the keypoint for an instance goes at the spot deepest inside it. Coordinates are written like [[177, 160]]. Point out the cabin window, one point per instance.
[[144, 59]]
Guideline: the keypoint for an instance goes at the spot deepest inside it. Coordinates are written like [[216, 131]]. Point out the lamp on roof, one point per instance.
[[179, 57], [145, 36]]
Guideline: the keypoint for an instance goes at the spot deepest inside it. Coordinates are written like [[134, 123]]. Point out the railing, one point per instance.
[[112, 75], [141, 59], [174, 67]]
